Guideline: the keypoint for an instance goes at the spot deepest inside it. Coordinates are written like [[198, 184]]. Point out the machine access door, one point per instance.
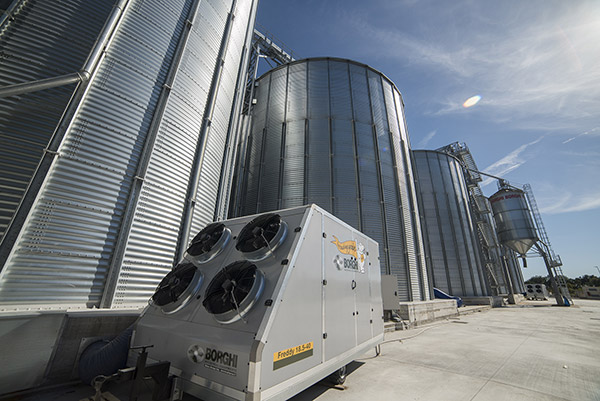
[[338, 288], [362, 292]]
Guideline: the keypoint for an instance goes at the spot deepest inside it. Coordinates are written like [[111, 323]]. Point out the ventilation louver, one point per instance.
[[209, 242], [261, 236], [177, 288], [233, 291]]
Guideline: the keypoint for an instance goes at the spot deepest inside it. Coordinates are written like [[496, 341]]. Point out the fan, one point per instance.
[[177, 288], [261, 236], [207, 244], [233, 291]]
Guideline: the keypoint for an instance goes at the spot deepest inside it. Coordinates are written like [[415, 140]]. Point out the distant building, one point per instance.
[[589, 292]]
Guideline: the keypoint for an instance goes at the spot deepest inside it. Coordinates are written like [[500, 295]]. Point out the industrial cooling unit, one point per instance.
[[536, 292], [262, 307]]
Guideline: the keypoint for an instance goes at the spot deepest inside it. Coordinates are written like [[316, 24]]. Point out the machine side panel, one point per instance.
[[221, 356], [362, 290], [294, 341], [340, 310], [375, 283], [301, 224]]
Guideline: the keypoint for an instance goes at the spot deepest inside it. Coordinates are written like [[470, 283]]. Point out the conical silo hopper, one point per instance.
[[515, 226]]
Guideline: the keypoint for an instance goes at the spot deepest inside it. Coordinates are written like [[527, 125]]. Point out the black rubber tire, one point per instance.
[[339, 376]]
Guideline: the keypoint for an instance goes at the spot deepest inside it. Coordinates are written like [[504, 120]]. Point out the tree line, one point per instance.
[[572, 283]]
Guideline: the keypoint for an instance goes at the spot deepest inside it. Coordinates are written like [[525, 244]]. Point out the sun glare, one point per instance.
[[472, 101]]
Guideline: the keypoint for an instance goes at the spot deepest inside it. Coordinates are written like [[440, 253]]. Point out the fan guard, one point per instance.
[[209, 242], [261, 236], [233, 291], [177, 288]]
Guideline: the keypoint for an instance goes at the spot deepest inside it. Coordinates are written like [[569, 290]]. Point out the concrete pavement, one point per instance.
[[532, 351]]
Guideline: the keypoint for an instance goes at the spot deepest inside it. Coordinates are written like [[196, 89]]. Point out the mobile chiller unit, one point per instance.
[[537, 292], [262, 307]]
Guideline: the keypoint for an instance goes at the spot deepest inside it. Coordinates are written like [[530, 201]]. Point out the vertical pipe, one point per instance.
[[355, 153], [306, 135], [263, 145], [330, 127], [235, 129], [283, 141], [242, 160], [241, 209]]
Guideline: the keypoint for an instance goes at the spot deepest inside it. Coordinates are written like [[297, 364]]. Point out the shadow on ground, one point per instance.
[[324, 385]]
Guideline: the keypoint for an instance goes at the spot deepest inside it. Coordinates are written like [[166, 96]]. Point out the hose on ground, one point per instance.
[[105, 357]]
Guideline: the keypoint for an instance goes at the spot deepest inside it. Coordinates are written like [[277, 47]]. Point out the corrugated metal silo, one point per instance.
[[332, 132], [28, 32], [451, 243], [514, 223], [140, 143]]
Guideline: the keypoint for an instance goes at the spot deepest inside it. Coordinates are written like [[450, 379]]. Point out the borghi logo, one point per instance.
[[355, 250]]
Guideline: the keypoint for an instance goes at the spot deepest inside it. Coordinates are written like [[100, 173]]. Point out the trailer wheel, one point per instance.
[[339, 376]]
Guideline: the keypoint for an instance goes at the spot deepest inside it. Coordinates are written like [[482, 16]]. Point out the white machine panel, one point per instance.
[[262, 307]]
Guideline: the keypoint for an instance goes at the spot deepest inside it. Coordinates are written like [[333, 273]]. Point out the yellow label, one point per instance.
[[346, 247], [290, 352]]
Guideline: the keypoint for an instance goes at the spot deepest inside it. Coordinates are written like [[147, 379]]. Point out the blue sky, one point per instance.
[[535, 64]]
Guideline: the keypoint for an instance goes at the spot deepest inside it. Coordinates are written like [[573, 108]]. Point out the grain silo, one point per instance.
[[451, 244], [516, 230], [332, 132], [117, 127], [515, 226]]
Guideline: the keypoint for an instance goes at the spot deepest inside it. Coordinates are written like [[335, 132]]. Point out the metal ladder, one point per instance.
[[552, 258], [540, 224]]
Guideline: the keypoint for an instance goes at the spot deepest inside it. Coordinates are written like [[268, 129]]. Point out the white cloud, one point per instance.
[[589, 132], [569, 203], [539, 64], [423, 142], [508, 163]]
